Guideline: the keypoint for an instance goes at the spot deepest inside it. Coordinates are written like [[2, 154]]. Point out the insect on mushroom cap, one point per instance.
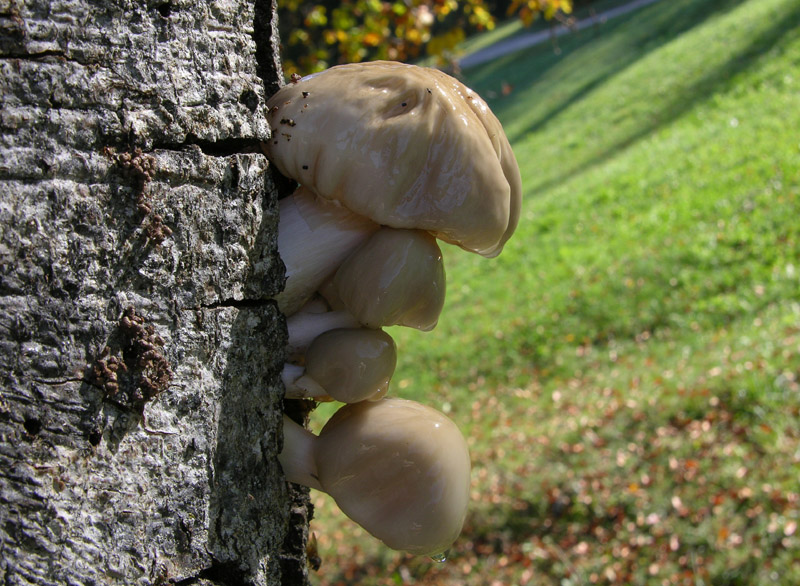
[[400, 470], [407, 146]]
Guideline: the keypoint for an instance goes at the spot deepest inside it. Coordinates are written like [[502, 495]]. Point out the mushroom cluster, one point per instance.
[[389, 159]]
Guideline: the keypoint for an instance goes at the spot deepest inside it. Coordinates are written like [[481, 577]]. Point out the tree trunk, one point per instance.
[[140, 413]]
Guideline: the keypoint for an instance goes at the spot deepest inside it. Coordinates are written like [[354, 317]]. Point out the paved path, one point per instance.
[[524, 41]]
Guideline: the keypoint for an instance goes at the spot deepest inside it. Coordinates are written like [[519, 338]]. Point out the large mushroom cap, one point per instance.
[[407, 146], [400, 470]]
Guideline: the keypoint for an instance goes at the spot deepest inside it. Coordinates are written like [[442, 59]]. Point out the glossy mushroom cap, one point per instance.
[[396, 277], [352, 364], [406, 146], [399, 469]]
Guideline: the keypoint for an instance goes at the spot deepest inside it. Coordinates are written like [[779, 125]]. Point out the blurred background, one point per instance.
[[627, 371]]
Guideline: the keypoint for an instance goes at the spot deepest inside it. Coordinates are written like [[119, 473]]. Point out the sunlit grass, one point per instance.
[[628, 370]]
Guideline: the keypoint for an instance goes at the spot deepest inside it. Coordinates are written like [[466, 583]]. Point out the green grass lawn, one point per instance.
[[628, 370]]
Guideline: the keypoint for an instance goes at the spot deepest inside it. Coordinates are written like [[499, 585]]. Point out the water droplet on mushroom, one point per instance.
[[439, 558]]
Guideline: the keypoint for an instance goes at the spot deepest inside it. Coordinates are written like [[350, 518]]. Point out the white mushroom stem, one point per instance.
[[314, 237], [299, 385], [297, 457], [398, 468], [291, 372], [304, 327]]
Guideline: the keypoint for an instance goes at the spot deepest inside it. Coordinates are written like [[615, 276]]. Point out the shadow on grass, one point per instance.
[[655, 26], [703, 88], [644, 31]]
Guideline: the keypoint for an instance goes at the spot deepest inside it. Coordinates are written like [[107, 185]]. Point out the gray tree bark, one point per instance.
[[140, 411]]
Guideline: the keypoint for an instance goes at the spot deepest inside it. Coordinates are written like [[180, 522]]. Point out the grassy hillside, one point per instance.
[[628, 370]]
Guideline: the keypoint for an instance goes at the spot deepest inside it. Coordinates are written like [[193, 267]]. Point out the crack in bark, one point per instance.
[[225, 147], [36, 56], [62, 381], [220, 148], [267, 40], [57, 54], [236, 303]]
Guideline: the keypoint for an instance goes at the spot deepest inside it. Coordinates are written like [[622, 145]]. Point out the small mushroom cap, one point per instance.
[[395, 278], [407, 146], [399, 469], [352, 364]]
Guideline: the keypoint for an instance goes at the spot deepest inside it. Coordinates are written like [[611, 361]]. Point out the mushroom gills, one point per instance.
[[314, 237]]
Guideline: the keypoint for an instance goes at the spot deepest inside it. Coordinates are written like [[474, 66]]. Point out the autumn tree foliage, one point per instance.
[[317, 34]]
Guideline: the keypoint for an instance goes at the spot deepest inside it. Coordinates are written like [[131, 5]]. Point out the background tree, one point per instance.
[[319, 34], [140, 401]]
